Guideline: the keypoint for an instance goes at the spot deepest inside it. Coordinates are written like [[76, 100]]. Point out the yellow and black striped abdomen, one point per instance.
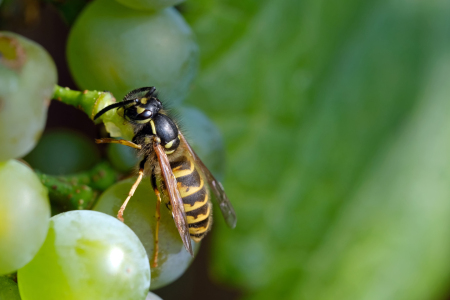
[[193, 191]]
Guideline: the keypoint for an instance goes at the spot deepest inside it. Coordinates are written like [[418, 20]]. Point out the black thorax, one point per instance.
[[163, 127]]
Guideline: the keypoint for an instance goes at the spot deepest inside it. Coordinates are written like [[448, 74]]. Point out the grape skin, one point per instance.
[[25, 215], [122, 158], [116, 48], [63, 151], [173, 258], [25, 94], [87, 255]]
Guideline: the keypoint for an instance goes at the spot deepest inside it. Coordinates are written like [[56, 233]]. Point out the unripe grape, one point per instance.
[[25, 213], [62, 152], [122, 158], [149, 4], [87, 255], [139, 215], [116, 48], [27, 78]]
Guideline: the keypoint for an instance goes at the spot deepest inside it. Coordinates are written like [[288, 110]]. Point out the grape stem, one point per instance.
[[91, 102], [84, 100], [79, 191], [12, 276]]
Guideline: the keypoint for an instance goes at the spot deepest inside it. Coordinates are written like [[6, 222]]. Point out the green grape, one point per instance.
[[149, 4], [27, 78], [87, 255], [122, 158], [173, 259], [62, 152], [25, 211], [116, 48], [8, 289]]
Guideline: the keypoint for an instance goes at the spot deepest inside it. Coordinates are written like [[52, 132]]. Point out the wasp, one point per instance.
[[177, 173]]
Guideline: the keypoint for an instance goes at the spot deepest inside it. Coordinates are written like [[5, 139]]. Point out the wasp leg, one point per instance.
[[132, 190], [114, 141], [158, 217]]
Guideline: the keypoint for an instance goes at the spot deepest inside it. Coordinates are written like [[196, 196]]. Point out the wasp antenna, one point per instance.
[[109, 107], [149, 90]]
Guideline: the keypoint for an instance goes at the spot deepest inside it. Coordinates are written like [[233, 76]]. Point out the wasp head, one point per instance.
[[138, 106]]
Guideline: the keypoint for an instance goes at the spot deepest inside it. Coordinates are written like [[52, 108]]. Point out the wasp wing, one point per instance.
[[224, 203], [178, 213]]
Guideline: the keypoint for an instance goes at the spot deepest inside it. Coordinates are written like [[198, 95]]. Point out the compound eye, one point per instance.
[[146, 114], [137, 101]]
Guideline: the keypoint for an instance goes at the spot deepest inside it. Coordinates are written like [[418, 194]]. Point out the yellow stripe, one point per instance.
[[180, 173], [169, 144], [198, 230], [153, 126], [140, 110], [188, 207], [196, 239], [141, 121], [189, 190], [191, 219]]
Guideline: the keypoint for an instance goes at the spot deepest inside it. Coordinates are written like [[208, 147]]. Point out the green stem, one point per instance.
[[91, 102], [100, 177], [12, 276], [79, 191], [86, 100]]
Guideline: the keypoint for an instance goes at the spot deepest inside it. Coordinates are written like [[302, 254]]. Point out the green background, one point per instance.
[[336, 119]]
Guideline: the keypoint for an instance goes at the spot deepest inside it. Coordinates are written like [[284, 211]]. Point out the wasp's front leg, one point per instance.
[[119, 141], [132, 190]]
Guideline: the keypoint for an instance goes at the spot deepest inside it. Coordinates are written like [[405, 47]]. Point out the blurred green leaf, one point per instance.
[[335, 117]]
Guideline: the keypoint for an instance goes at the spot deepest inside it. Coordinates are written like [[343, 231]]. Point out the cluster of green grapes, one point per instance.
[[89, 254]]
